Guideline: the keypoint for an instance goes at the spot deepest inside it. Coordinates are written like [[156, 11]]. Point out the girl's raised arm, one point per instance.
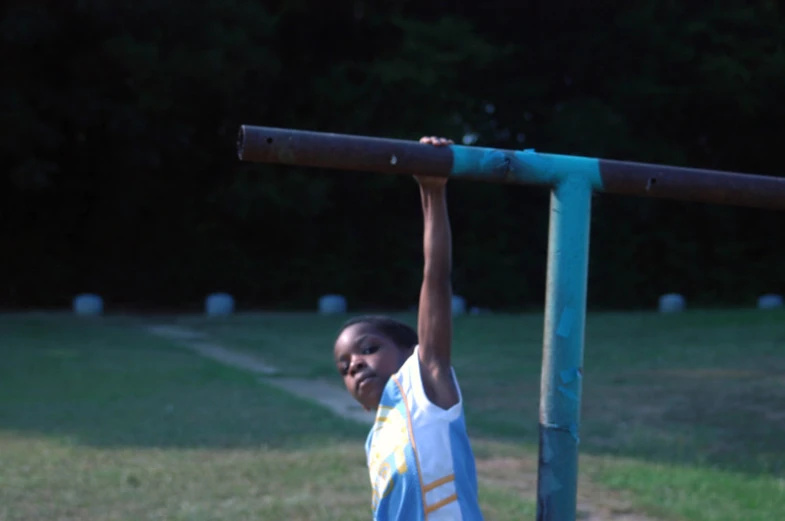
[[434, 321]]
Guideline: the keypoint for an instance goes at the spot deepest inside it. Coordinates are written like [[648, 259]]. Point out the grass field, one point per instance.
[[683, 419]]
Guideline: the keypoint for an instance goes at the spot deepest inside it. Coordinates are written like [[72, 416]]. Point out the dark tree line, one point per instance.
[[120, 172]]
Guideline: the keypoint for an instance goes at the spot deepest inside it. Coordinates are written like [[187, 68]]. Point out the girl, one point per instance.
[[419, 456]]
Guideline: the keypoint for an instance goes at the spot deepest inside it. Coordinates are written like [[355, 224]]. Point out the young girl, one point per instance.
[[419, 457]]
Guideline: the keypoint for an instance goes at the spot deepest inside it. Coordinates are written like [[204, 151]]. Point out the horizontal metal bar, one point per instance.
[[692, 184], [404, 157], [342, 152]]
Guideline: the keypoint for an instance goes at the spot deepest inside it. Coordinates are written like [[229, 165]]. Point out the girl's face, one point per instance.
[[366, 360]]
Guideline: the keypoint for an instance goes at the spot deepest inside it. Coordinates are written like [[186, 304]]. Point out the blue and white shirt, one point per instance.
[[419, 457]]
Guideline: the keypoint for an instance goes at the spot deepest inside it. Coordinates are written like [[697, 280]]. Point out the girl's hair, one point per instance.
[[402, 334]]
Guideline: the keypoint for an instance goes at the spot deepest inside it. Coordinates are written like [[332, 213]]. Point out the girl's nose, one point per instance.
[[357, 365]]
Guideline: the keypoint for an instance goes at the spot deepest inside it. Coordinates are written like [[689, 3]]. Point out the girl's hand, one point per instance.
[[433, 182], [436, 141]]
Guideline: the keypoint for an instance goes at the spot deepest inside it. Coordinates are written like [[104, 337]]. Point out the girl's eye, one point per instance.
[[370, 349]]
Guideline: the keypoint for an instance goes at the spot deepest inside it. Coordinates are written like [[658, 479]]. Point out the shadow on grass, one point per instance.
[[91, 383]]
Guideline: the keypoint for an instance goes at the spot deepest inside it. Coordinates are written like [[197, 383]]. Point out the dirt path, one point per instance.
[[324, 393], [593, 504]]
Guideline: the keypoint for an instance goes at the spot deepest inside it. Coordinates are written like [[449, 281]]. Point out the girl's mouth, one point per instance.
[[364, 382]]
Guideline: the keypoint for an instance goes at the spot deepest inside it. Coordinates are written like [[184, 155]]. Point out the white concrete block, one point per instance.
[[332, 305], [88, 304], [219, 304], [770, 301], [672, 303], [458, 305]]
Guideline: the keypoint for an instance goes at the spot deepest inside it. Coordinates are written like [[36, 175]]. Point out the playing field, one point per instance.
[[683, 419]]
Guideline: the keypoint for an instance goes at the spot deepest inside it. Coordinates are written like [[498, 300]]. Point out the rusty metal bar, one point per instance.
[[395, 156], [341, 151], [692, 184]]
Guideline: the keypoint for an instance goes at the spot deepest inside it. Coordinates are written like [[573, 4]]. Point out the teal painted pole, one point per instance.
[[562, 365]]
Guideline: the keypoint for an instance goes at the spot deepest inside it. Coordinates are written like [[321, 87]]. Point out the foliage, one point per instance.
[[121, 175]]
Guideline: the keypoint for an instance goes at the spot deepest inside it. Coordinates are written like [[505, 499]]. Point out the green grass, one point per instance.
[[101, 421], [686, 413], [683, 416]]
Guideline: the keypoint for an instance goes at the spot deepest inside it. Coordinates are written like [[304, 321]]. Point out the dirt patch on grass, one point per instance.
[[326, 394], [520, 475]]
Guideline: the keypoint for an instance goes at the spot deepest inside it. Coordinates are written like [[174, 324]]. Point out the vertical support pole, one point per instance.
[[562, 364]]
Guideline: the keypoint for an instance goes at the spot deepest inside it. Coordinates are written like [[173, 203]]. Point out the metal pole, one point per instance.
[[395, 156], [562, 363]]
